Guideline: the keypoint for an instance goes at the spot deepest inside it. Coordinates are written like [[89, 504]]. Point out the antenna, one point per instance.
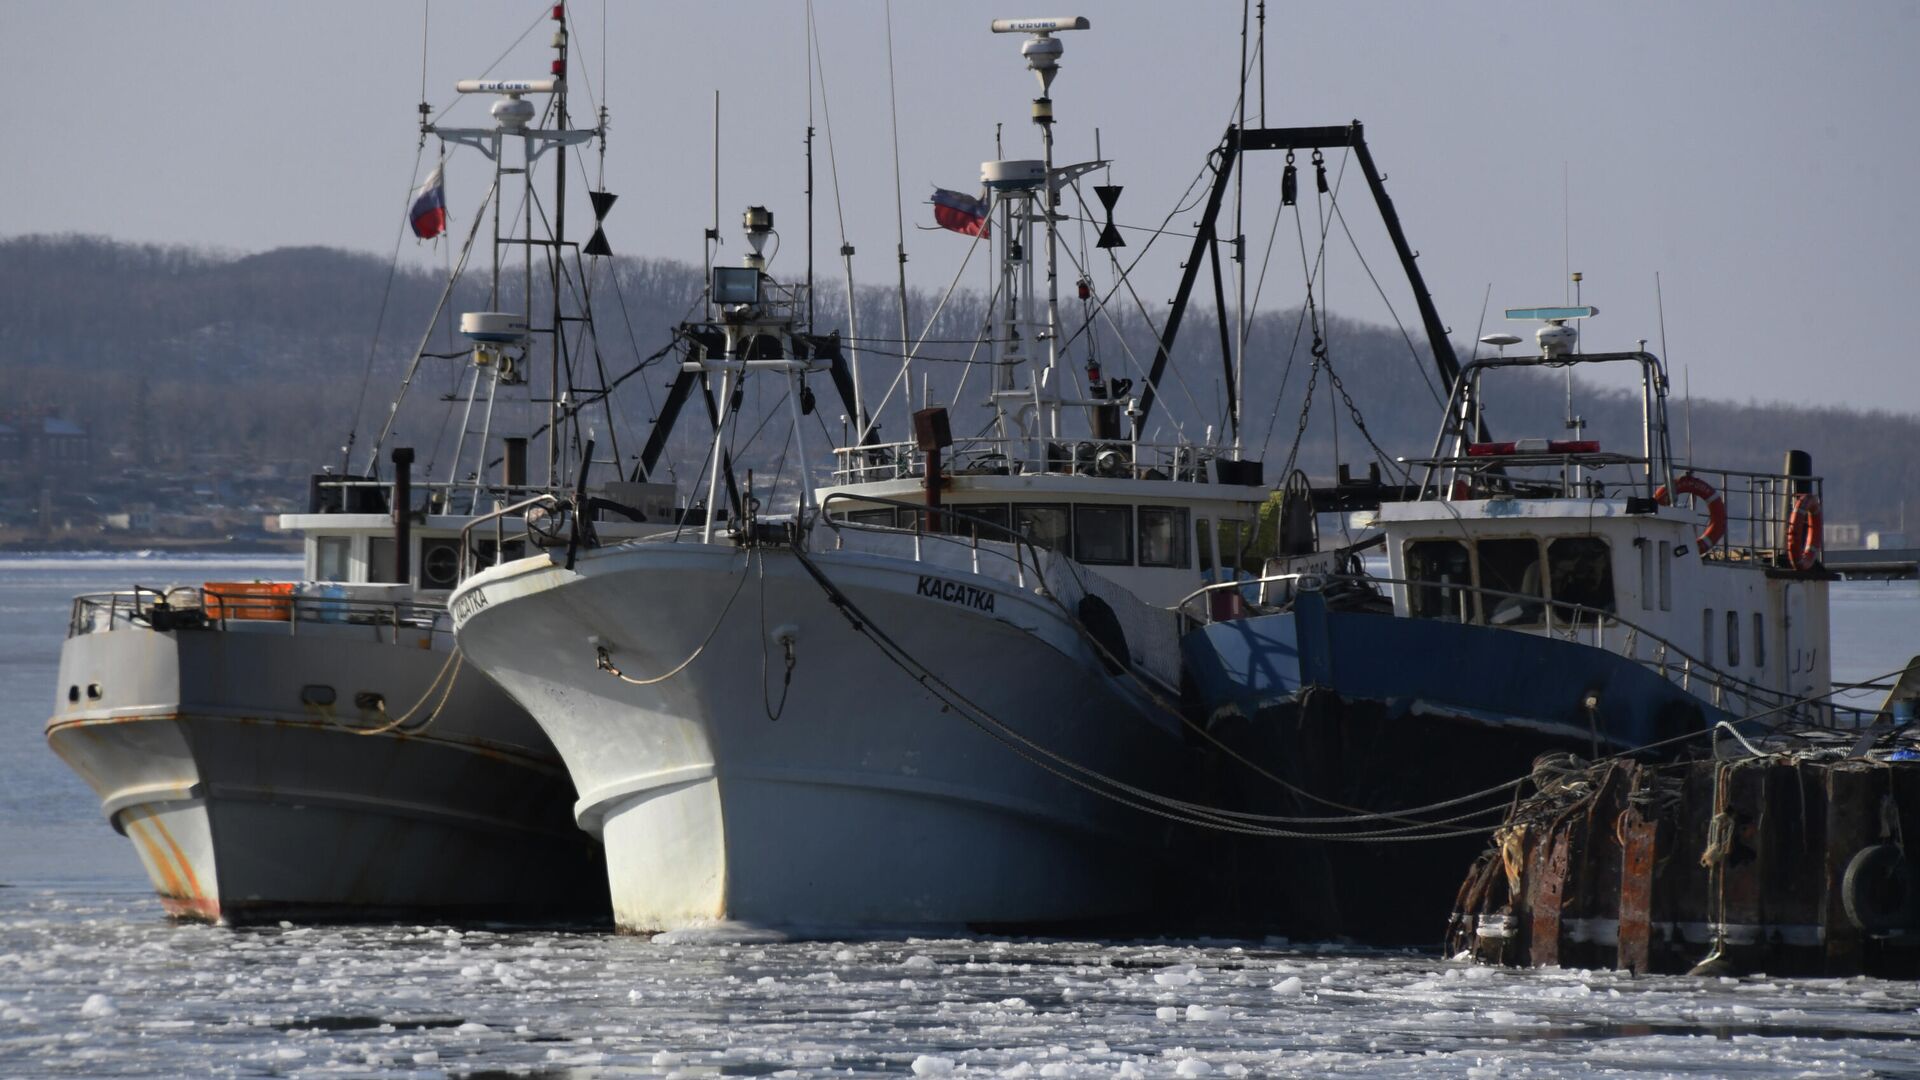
[[1686, 384], [900, 218], [708, 247], [1566, 230], [809, 12]]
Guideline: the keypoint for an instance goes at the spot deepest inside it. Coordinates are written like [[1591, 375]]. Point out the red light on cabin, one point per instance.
[[1574, 446], [1489, 449], [560, 69], [559, 13]]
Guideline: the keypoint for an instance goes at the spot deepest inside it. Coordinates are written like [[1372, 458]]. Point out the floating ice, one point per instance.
[[918, 962], [1193, 1066], [1166, 1012], [1288, 987], [1201, 1012], [98, 1005], [928, 1065]]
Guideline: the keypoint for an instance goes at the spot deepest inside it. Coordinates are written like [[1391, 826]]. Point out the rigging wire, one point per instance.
[[380, 320]]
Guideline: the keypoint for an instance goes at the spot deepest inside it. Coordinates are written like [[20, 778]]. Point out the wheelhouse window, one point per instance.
[[381, 562], [330, 558], [1441, 580], [1733, 639], [1511, 566], [988, 521], [1759, 640], [1047, 526], [1580, 570], [1163, 536], [883, 516], [1103, 535], [1666, 576]]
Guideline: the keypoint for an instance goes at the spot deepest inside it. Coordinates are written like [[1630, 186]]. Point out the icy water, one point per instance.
[[94, 982]]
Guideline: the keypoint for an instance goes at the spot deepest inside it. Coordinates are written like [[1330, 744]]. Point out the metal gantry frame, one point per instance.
[[1206, 245]]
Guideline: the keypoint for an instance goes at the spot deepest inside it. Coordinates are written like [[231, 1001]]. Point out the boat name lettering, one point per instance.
[[954, 592], [467, 605]]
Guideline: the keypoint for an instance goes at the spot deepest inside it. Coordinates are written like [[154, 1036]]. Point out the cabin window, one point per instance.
[[1648, 576], [988, 522], [439, 566], [380, 558], [1666, 575], [1163, 536], [1510, 566], [1706, 635], [1441, 580], [485, 554], [1046, 526], [1759, 641], [1733, 639], [1103, 535], [1203, 544], [330, 558], [882, 516], [1236, 538], [1580, 569]]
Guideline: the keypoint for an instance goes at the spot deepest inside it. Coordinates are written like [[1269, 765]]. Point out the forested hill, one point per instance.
[[198, 355]]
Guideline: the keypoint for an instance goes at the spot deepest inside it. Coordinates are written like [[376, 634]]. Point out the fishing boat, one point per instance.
[[317, 749], [943, 688], [1538, 595]]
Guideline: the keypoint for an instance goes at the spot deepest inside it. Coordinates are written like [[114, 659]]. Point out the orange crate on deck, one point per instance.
[[249, 600]]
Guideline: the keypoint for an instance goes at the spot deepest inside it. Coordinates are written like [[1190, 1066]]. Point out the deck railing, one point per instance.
[[199, 607], [1758, 505], [991, 455]]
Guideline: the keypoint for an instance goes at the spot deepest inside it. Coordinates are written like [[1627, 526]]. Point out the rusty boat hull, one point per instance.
[[247, 766]]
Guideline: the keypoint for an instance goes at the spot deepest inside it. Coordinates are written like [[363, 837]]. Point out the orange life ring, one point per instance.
[[1690, 484], [1805, 533]]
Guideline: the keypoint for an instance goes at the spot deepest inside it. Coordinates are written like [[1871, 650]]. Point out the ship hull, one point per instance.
[[248, 800], [1385, 714], [868, 794]]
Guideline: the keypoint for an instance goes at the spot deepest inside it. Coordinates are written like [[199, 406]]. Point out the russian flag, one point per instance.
[[962, 213], [429, 213]]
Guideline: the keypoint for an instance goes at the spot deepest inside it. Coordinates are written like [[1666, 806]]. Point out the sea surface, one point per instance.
[[95, 982]]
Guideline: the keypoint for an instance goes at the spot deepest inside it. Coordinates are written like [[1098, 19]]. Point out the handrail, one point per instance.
[[1710, 673], [1015, 538], [498, 516], [1186, 462], [129, 608], [1756, 503]]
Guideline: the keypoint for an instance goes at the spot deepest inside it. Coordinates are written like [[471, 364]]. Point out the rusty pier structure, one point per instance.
[[1790, 857]]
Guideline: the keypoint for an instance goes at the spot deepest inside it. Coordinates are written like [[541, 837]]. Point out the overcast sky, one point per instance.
[[1761, 157]]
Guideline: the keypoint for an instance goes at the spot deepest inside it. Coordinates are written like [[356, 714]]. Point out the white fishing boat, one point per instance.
[[940, 690], [317, 748]]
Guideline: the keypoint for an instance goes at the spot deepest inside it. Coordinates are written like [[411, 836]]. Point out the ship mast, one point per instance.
[[500, 338], [1042, 52]]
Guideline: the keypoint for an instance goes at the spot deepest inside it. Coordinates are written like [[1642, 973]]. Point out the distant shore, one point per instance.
[[171, 545]]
